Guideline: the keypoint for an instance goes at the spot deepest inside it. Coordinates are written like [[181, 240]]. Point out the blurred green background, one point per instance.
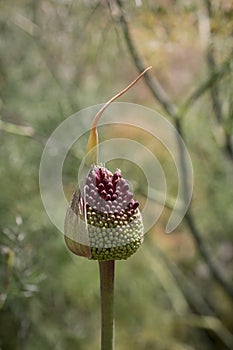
[[57, 57]]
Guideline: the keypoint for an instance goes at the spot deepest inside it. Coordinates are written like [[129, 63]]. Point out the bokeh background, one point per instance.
[[58, 57]]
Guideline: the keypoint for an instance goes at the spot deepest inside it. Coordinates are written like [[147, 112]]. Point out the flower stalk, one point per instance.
[[107, 271], [104, 223]]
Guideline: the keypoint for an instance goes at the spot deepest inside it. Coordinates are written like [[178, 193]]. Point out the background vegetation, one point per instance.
[[58, 57]]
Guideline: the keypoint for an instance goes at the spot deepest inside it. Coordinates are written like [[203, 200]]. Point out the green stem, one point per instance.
[[106, 269]]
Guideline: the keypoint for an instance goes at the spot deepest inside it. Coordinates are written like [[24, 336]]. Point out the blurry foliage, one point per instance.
[[56, 58]]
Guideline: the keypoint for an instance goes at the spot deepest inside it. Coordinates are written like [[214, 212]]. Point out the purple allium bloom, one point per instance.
[[112, 217]]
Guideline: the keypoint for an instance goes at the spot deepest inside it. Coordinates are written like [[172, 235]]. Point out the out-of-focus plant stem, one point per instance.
[[16, 129], [173, 111], [107, 271], [9, 265], [215, 88]]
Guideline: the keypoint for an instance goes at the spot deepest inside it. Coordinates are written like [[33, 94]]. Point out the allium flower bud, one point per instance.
[[107, 217], [103, 222]]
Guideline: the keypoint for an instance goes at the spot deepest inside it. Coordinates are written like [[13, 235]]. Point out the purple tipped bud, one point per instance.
[[114, 196], [116, 176], [108, 198], [103, 194], [135, 205], [101, 186]]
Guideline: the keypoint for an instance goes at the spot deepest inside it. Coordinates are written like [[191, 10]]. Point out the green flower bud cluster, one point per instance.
[[113, 220]]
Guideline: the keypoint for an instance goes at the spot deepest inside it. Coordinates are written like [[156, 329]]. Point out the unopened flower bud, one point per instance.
[[108, 223]]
